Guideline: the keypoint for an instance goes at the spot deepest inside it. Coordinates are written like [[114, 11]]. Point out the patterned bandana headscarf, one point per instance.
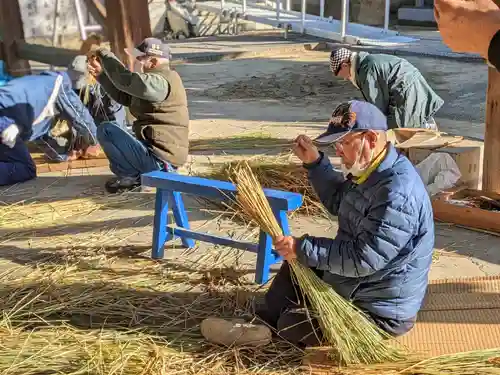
[[337, 57]]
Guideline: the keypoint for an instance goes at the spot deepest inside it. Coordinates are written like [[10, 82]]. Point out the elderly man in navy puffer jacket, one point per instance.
[[381, 255]]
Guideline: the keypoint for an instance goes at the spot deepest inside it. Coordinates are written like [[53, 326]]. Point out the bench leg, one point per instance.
[[266, 257], [160, 235], [283, 222], [180, 216]]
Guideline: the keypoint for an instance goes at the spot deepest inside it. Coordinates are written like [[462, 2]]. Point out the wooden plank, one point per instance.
[[11, 25], [471, 217], [223, 190], [491, 169]]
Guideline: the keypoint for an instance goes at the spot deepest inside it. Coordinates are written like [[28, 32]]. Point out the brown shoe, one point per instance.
[[236, 332]]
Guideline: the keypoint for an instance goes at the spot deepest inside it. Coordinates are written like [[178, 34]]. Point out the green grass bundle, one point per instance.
[[345, 327]]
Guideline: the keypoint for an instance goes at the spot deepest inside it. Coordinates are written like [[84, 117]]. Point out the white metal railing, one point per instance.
[[345, 12], [81, 22]]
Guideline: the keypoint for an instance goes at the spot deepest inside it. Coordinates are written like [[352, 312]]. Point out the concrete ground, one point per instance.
[[278, 94]]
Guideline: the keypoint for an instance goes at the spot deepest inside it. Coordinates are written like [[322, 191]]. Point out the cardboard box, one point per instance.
[[467, 154]]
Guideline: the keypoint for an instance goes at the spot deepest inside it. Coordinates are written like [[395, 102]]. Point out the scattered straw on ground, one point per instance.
[[281, 174], [247, 141], [107, 310]]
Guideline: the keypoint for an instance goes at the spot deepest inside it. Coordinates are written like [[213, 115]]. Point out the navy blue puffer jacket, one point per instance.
[[382, 253]]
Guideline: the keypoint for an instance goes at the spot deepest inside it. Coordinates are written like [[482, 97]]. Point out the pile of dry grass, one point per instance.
[[247, 141], [282, 174], [103, 313], [142, 318]]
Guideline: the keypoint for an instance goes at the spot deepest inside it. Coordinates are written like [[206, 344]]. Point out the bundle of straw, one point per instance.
[[281, 173], [353, 336], [90, 82]]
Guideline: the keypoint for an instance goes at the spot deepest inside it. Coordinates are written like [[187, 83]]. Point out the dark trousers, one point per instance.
[[128, 157], [16, 164], [285, 310]]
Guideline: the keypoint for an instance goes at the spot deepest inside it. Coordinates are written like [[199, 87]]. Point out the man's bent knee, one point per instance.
[[106, 130], [14, 173]]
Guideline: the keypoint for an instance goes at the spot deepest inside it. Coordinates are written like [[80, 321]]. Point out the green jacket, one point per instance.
[[158, 101], [397, 88]]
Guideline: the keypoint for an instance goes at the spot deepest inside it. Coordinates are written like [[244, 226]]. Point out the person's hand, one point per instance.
[[94, 66], [467, 26], [9, 135], [285, 246], [305, 150]]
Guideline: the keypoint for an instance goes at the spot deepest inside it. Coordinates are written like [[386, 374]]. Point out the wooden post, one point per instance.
[[127, 25], [141, 23], [12, 30], [491, 166]]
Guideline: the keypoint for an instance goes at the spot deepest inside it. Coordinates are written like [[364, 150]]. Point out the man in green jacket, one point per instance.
[[157, 99], [392, 84]]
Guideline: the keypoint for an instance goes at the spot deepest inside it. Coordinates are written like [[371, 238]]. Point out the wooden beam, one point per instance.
[[12, 30], [491, 169], [48, 55], [127, 25]]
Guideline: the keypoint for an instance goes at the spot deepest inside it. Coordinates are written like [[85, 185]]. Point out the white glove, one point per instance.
[[9, 135]]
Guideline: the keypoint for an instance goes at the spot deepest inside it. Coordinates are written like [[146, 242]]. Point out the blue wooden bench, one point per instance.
[[169, 187]]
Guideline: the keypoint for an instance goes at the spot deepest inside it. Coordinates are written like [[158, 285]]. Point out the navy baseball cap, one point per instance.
[[353, 116], [152, 47]]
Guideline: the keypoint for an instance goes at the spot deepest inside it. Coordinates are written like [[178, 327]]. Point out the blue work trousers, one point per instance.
[[128, 156]]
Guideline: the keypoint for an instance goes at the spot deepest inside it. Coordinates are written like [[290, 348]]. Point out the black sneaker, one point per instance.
[[122, 184]]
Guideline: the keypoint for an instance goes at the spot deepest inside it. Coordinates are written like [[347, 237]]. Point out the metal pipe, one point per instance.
[[244, 6], [322, 8], [288, 6], [303, 17], [345, 18], [55, 31], [387, 14], [81, 23], [93, 28], [222, 4], [278, 9]]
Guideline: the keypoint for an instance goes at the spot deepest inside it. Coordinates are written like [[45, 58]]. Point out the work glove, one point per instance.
[[9, 135]]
